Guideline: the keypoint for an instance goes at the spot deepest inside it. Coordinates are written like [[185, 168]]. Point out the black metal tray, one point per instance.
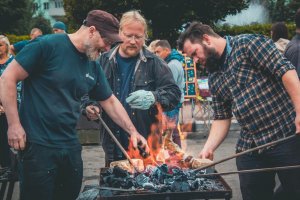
[[149, 195]]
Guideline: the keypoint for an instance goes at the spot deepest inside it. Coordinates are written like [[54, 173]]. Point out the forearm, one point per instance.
[[292, 85], [8, 95], [218, 132], [118, 114]]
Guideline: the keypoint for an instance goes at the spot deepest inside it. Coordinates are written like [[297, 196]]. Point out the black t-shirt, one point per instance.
[[59, 75]]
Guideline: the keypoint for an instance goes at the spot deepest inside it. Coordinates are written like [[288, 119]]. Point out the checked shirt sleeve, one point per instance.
[[263, 53]]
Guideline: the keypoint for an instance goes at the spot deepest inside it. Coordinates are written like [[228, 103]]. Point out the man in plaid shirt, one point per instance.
[[251, 79]]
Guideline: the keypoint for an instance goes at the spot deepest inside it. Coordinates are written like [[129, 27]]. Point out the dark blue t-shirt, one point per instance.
[[59, 75], [125, 71], [20, 45]]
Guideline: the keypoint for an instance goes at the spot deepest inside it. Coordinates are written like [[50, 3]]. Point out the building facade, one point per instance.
[[51, 9]]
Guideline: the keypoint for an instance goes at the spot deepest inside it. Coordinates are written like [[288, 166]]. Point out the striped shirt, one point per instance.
[[249, 85]]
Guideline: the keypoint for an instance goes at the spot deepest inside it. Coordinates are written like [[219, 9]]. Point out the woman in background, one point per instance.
[[279, 34], [5, 59]]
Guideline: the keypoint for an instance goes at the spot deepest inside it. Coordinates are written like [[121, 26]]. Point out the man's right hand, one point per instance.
[[92, 112], [16, 137]]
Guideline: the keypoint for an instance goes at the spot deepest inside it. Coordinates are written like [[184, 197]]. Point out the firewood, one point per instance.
[[124, 164]]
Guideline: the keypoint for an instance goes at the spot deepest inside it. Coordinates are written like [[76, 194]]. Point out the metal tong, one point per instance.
[[115, 140], [251, 171], [247, 151]]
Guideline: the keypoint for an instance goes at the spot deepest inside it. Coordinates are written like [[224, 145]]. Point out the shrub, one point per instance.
[[16, 38], [264, 29]]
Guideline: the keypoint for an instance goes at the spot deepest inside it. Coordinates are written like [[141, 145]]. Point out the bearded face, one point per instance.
[[213, 61], [92, 51], [133, 37]]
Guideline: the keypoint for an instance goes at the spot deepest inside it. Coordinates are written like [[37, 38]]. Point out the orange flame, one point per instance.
[[159, 154]]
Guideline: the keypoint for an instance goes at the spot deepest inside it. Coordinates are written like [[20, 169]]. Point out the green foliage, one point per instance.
[[282, 10], [14, 38], [76, 10], [165, 18], [42, 23], [15, 16], [264, 29]]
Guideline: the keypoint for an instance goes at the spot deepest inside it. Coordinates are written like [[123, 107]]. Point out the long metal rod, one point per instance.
[[247, 151], [119, 189], [116, 140], [251, 171]]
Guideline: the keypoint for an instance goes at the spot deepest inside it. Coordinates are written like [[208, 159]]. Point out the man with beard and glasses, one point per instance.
[[250, 78], [139, 79], [57, 70]]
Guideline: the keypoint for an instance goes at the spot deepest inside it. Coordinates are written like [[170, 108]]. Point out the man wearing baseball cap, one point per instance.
[[59, 27], [57, 70], [106, 24]]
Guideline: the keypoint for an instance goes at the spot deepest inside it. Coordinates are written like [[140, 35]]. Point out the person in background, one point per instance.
[[17, 47], [152, 46], [59, 27], [174, 60], [279, 34], [5, 59], [45, 130], [139, 79], [292, 51], [249, 77]]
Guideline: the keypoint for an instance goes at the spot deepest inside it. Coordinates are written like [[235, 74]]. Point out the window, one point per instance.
[[35, 7], [59, 4], [46, 6]]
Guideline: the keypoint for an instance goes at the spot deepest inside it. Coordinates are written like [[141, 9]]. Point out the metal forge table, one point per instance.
[[226, 193]]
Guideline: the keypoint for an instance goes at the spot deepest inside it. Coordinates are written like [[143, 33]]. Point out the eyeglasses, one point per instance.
[[134, 37]]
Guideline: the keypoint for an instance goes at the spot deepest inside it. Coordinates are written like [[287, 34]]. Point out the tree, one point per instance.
[[165, 18], [42, 23], [282, 10], [76, 10], [15, 16]]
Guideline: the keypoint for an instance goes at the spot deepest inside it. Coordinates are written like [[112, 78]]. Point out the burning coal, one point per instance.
[[158, 179]]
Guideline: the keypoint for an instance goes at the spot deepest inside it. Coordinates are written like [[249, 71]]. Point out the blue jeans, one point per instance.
[[50, 173], [173, 115], [260, 186]]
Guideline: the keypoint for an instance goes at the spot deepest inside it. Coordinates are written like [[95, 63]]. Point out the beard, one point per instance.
[[213, 61], [130, 51], [92, 54], [91, 51]]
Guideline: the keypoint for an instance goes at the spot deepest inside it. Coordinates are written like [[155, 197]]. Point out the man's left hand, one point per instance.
[[141, 99]]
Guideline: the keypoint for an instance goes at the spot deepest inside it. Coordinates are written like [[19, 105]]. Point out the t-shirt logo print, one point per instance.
[[89, 76]]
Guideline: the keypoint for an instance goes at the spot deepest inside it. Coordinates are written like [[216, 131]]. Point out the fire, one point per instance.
[[162, 148]]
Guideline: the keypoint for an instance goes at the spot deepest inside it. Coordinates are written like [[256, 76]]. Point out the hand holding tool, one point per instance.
[[247, 151]]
